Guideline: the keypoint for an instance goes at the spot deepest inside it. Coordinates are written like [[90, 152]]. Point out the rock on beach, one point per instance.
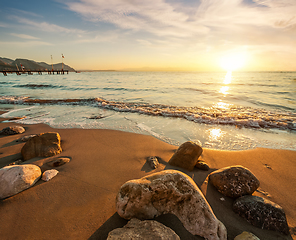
[[153, 162], [143, 230], [26, 138], [17, 178], [246, 236], [262, 213], [12, 130], [234, 181], [42, 145], [49, 174], [58, 162], [186, 156], [170, 191]]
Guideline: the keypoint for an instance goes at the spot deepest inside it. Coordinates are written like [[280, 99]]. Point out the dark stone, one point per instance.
[[202, 165], [58, 162], [262, 213], [186, 156], [42, 145], [12, 130], [153, 162], [234, 181]]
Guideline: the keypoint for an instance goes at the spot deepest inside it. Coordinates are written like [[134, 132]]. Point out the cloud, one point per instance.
[[144, 42], [92, 37], [25, 43], [234, 12], [154, 16], [47, 27], [205, 23], [22, 12], [24, 36], [4, 25]]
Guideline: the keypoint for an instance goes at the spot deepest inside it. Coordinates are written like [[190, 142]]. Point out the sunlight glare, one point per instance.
[[215, 134], [222, 105], [233, 61], [227, 78], [224, 90]]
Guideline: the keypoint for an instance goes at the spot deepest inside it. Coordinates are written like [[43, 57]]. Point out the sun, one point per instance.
[[233, 61]]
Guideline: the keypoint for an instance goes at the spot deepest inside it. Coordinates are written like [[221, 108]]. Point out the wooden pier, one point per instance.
[[30, 72]]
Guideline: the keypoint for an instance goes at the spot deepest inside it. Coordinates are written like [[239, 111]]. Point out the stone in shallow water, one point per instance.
[[186, 156], [234, 181], [143, 230], [12, 130], [262, 213], [17, 178], [42, 145], [170, 191]]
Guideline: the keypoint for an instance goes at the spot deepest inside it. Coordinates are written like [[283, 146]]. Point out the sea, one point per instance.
[[219, 110]]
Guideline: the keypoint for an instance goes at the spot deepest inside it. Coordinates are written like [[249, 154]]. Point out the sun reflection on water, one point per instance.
[[224, 90], [222, 105], [215, 134], [227, 78]]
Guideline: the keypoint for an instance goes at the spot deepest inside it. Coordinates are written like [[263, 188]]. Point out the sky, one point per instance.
[[156, 35]]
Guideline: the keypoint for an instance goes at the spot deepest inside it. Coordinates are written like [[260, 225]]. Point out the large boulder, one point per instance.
[[42, 145], [262, 213], [186, 156], [170, 191], [143, 230], [12, 130], [14, 179], [234, 181]]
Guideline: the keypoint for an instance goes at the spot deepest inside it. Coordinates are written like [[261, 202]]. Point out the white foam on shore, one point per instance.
[[174, 131]]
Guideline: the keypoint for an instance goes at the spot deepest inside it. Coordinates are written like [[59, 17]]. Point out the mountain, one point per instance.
[[27, 64], [4, 65], [17, 64], [57, 66], [6, 60]]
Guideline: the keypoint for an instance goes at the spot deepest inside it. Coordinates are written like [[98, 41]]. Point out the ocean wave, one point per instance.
[[128, 89], [231, 115], [37, 86], [201, 91], [79, 88], [260, 103]]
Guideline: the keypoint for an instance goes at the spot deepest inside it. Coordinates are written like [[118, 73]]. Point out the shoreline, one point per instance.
[[79, 203]]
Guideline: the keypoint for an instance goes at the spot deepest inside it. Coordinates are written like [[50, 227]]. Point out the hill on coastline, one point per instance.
[[14, 65]]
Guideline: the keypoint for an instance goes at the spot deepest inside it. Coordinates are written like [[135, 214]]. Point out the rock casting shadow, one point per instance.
[[173, 222], [115, 221], [4, 161], [12, 143], [146, 168], [222, 208]]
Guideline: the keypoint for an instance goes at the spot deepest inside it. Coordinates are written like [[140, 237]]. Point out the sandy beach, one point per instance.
[[79, 203]]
